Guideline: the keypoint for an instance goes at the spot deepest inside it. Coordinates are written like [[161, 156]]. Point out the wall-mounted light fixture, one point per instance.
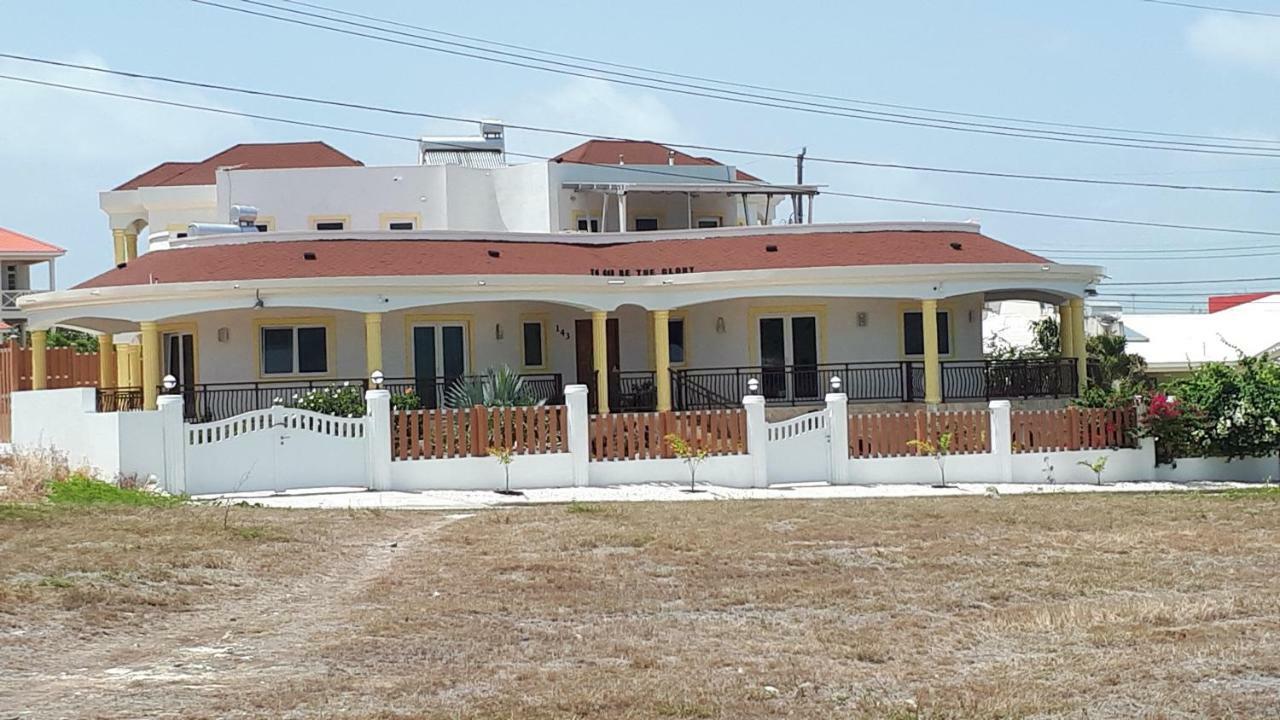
[[497, 331], [862, 318], [224, 334], [719, 325]]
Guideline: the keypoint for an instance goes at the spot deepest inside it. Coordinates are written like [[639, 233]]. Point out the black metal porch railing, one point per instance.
[[864, 382], [207, 402], [126, 399], [434, 392], [629, 391]]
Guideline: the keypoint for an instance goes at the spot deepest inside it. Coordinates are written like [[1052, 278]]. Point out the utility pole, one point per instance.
[[797, 200]]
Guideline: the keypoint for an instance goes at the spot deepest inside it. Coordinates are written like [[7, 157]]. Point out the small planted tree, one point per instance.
[[1096, 466], [938, 450], [692, 456], [504, 456]]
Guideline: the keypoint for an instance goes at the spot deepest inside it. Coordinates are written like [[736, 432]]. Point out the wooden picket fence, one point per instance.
[[66, 368], [641, 436], [1074, 428], [882, 435], [447, 433]]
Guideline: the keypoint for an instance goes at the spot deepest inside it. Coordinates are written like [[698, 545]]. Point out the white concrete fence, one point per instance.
[[285, 448]]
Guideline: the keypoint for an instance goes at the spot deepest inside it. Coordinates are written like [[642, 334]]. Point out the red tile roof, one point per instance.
[[409, 257], [244, 155], [636, 152], [16, 242], [1218, 303]]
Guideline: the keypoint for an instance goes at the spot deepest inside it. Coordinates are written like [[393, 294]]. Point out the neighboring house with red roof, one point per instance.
[[18, 253]]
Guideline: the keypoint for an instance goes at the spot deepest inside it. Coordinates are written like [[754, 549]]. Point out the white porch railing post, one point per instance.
[[757, 439], [838, 438], [173, 443], [575, 398], [378, 439], [1002, 439]]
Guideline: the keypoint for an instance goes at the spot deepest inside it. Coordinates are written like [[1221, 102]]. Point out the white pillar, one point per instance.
[[53, 275], [622, 211], [378, 439], [173, 444], [575, 397], [838, 425], [757, 440], [1002, 440]]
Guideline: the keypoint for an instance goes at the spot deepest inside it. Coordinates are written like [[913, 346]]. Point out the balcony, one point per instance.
[[9, 299]]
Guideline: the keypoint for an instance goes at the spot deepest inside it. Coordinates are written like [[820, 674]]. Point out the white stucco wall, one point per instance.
[[108, 444]]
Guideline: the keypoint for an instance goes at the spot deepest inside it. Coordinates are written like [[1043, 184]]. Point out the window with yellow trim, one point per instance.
[[534, 351], [295, 350]]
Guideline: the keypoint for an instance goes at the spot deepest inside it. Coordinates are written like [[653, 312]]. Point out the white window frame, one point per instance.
[[297, 360], [438, 326], [588, 219], [719, 222]]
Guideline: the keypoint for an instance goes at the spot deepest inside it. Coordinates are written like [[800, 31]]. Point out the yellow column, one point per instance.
[[662, 357], [932, 366], [150, 364], [1079, 342], [372, 343], [130, 246], [1066, 342], [106, 362], [600, 358], [39, 363], [117, 240]]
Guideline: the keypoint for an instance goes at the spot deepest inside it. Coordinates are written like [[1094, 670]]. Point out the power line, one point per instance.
[[1057, 216], [691, 146], [1214, 8], [745, 99], [1163, 283], [1154, 258], [766, 88], [646, 171]]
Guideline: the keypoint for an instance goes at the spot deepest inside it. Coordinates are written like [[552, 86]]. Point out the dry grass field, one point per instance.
[[1157, 606]]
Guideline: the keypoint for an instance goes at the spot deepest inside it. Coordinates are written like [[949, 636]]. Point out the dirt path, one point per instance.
[[174, 667]]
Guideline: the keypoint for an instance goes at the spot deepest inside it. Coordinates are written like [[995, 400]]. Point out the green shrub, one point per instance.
[[81, 489], [498, 387], [344, 400], [407, 400], [1220, 410]]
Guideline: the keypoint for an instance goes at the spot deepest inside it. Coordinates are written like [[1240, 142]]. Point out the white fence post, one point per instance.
[[838, 437], [575, 397], [757, 439], [1002, 439], [378, 439], [174, 444]]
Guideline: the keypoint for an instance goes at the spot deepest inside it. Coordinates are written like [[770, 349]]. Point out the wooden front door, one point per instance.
[[584, 338]]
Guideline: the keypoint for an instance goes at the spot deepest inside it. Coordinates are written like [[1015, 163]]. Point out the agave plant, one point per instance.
[[498, 387]]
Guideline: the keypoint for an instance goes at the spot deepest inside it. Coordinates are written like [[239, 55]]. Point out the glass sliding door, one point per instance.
[[789, 357], [439, 360]]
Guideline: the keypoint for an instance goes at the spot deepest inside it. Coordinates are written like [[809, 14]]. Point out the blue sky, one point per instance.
[[1107, 62]]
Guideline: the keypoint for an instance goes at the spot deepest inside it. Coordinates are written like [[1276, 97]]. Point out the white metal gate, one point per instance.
[[799, 449], [275, 449]]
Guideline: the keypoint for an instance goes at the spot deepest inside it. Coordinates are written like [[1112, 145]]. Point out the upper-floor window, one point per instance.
[[646, 223], [588, 224], [11, 277], [709, 222], [400, 225], [331, 225]]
